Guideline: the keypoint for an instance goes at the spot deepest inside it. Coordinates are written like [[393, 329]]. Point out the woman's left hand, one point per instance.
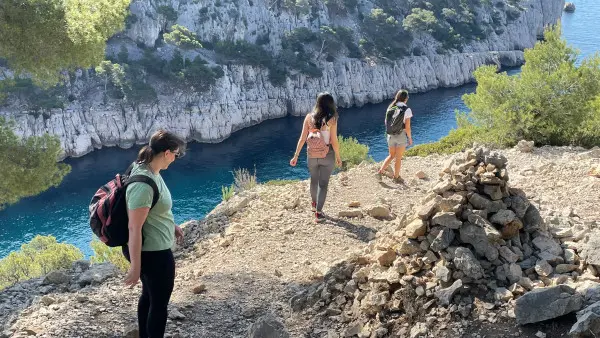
[[179, 235], [338, 160]]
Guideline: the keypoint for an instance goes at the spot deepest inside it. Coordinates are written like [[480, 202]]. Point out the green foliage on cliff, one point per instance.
[[384, 35], [37, 258], [113, 72], [44, 37], [554, 101], [182, 37], [29, 165], [392, 24], [35, 98]]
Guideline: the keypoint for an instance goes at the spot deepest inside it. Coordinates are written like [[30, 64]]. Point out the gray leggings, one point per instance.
[[320, 171]]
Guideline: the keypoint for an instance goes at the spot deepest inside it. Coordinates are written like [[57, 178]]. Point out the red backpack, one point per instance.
[[108, 208], [315, 143]]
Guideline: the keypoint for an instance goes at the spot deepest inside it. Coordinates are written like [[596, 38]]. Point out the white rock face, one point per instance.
[[245, 96]]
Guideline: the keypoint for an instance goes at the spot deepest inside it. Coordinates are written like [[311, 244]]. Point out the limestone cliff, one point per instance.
[[244, 95]]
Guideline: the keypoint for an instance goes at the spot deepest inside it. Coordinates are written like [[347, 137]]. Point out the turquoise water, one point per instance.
[[195, 180]]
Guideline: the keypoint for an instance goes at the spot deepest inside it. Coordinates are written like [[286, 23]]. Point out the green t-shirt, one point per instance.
[[159, 229]]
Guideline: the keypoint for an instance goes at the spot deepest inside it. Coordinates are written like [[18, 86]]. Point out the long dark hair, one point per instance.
[[160, 141], [324, 109], [401, 96]]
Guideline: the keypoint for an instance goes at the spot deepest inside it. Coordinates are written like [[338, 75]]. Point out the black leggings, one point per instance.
[[158, 278]]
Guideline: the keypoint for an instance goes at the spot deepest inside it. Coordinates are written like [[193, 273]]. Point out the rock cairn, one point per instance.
[[475, 248]]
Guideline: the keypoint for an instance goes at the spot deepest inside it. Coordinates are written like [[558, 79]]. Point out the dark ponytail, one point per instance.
[[324, 109], [145, 155], [401, 96], [160, 141]]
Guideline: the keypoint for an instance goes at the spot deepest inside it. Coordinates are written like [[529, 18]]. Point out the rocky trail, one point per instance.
[[391, 260]]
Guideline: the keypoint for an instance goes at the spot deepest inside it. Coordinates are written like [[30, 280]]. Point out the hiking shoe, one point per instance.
[[319, 216], [378, 176], [313, 206], [398, 180]]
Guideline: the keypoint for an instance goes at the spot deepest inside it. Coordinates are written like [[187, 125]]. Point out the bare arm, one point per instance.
[[303, 136], [333, 139], [407, 128], [137, 217], [408, 131], [302, 139]]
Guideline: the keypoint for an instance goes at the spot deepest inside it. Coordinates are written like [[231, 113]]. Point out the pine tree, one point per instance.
[[29, 165], [44, 37]]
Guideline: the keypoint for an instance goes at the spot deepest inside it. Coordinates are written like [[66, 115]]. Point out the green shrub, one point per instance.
[[227, 192], [137, 91], [280, 182], [420, 20], [341, 6], [297, 38], [104, 253], [384, 35], [199, 75], [182, 37], [552, 102], [352, 152], [37, 258], [32, 160], [37, 98], [244, 52]]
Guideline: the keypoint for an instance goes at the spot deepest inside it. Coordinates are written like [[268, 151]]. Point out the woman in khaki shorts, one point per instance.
[[397, 124]]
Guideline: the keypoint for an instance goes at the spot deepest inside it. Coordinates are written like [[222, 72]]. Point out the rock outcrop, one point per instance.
[[569, 7], [244, 96]]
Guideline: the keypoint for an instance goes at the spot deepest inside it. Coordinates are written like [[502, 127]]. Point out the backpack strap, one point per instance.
[[403, 108], [147, 180], [129, 169]]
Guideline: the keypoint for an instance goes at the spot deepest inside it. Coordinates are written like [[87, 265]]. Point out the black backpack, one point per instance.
[[395, 126], [108, 208]]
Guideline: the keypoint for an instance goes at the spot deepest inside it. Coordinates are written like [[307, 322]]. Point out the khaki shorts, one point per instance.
[[398, 140]]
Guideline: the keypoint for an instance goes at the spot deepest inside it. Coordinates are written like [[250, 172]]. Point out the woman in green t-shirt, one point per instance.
[[152, 231]]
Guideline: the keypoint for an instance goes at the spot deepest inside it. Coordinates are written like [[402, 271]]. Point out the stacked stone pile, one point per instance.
[[474, 249]]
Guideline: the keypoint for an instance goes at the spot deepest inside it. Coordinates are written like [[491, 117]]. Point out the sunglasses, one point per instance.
[[177, 154]]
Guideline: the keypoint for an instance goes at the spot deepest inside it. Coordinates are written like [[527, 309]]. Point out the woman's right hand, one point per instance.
[[293, 161], [133, 275]]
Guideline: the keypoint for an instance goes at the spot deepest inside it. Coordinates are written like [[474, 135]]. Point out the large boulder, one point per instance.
[[97, 274], [588, 322], [591, 250], [547, 303]]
